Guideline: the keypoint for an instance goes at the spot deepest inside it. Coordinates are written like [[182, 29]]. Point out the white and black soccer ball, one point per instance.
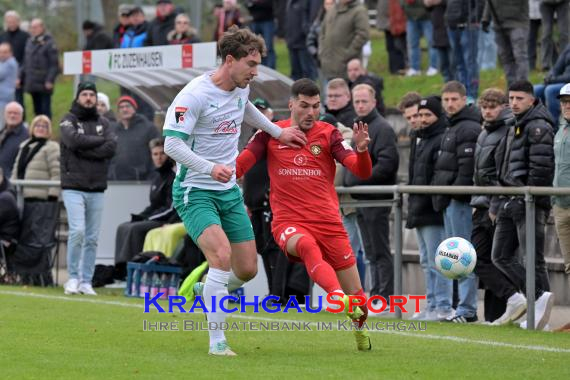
[[455, 258]]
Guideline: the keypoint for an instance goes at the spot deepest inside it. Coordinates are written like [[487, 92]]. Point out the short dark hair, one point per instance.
[[88, 25], [454, 86], [522, 86], [410, 99], [240, 43], [304, 86]]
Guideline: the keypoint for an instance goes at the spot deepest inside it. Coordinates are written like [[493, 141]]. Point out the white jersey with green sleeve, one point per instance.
[[209, 120]]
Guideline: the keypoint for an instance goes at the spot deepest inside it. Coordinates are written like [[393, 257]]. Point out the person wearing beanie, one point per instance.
[[104, 107], [454, 167], [95, 36], [87, 144], [422, 216], [132, 160]]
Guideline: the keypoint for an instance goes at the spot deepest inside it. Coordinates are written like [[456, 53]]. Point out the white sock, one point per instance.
[[216, 285], [234, 282]]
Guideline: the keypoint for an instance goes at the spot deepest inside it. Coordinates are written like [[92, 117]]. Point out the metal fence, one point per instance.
[[397, 191]]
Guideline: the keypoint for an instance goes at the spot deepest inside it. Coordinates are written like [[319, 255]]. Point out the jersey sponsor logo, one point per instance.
[[299, 172], [228, 127], [300, 160], [218, 119], [179, 114], [316, 149]]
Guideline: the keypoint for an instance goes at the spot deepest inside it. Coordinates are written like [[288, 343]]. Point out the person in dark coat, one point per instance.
[[497, 119], [374, 222], [130, 236], [440, 41], [134, 132], [11, 136], [87, 144], [525, 158], [95, 37], [17, 38], [425, 144], [298, 23], [41, 67], [9, 214], [357, 74], [454, 167], [338, 102], [162, 24], [124, 22], [263, 23]]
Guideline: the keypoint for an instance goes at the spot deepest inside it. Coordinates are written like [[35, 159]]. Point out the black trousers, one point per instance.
[[510, 234], [497, 286], [374, 224], [397, 52]]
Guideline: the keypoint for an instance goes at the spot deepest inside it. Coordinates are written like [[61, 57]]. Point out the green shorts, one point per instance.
[[200, 208]]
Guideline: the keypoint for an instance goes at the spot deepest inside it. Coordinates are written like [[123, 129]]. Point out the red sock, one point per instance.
[[360, 321], [318, 269]]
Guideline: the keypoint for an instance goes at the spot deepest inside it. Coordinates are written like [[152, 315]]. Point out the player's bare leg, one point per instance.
[[216, 247], [243, 264]]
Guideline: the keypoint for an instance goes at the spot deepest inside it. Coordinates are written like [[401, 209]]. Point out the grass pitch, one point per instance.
[[47, 335]]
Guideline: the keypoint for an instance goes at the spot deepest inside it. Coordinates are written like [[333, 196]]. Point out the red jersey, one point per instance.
[[302, 180]]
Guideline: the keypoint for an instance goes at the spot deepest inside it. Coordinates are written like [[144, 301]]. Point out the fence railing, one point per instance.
[[528, 193]]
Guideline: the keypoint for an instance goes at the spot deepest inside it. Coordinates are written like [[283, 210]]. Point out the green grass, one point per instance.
[[55, 339]]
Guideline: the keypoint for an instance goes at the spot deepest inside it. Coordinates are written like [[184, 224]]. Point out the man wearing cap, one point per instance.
[[561, 207], [162, 24], [137, 33], [422, 216], [132, 160], [121, 28], [525, 158], [87, 144]]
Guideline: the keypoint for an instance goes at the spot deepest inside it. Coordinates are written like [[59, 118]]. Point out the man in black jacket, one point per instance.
[[500, 294], [526, 158], [339, 103], [162, 24], [87, 144], [262, 13], [17, 38], [297, 24], [357, 74], [374, 222], [132, 160], [40, 68], [454, 167], [95, 37], [428, 222]]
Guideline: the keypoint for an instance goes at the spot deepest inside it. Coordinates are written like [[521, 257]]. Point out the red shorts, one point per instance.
[[332, 239]]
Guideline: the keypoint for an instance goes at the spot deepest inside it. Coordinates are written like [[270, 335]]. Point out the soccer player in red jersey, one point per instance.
[[306, 219]]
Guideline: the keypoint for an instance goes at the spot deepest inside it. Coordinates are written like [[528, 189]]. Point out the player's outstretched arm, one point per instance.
[[255, 150], [288, 136], [177, 149]]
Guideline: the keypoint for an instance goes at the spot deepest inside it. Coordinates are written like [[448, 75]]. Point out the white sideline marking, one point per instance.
[[414, 335]]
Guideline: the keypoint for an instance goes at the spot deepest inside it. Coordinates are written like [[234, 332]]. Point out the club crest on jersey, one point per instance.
[[300, 160], [179, 114], [316, 149]]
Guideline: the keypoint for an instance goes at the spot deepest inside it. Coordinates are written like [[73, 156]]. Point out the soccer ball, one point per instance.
[[455, 258]]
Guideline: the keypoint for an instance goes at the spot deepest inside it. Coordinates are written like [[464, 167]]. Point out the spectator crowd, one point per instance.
[[460, 136]]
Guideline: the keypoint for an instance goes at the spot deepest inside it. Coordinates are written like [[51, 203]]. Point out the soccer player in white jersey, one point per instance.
[[202, 129]]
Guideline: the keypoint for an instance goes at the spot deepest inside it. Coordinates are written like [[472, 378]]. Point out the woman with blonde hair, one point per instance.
[[37, 159]]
